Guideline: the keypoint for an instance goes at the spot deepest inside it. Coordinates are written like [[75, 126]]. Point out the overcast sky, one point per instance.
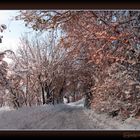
[[14, 30]]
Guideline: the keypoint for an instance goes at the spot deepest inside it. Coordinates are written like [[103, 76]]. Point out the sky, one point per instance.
[[14, 30]]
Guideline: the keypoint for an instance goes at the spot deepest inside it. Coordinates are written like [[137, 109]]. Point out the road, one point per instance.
[[71, 116], [65, 117]]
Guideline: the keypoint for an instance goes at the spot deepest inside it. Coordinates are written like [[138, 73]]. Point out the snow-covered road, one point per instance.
[[62, 116], [72, 116]]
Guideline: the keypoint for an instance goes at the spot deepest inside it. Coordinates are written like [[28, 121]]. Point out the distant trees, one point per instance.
[[39, 66]]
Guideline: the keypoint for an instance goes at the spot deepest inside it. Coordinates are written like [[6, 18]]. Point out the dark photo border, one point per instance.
[[14, 5], [59, 4]]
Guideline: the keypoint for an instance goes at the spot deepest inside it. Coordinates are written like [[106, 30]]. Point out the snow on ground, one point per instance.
[[71, 116], [25, 117], [78, 103], [5, 108]]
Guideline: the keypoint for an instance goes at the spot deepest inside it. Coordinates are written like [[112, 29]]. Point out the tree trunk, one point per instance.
[[14, 99], [27, 89], [61, 95], [43, 95], [42, 90], [88, 99]]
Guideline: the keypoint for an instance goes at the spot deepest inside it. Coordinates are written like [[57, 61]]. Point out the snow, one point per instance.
[[65, 100], [105, 122], [5, 108], [79, 103], [71, 116], [24, 117], [8, 60]]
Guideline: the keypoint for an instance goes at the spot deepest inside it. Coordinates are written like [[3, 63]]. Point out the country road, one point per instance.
[[72, 116], [65, 117]]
